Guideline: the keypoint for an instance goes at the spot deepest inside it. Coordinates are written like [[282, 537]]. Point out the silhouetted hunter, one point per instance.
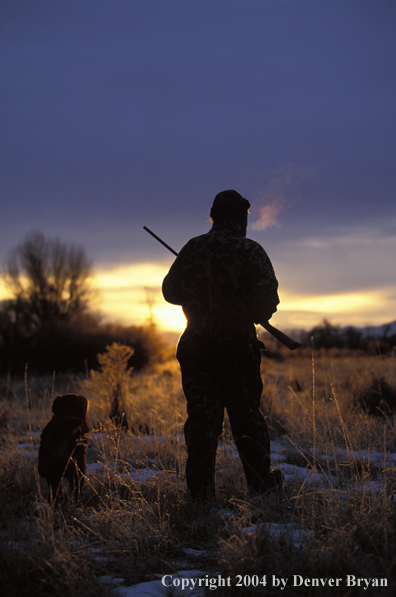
[[225, 283]]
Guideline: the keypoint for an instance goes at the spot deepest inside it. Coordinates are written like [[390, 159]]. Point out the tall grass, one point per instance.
[[135, 521]]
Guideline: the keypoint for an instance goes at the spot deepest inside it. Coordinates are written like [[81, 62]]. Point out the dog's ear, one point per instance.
[[57, 405]]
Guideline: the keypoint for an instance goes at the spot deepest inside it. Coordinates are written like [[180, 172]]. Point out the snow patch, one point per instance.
[[278, 531], [169, 585]]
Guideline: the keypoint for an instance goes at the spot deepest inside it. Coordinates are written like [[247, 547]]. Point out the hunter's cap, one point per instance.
[[229, 205]]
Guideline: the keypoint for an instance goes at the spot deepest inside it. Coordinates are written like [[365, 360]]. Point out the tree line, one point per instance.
[[48, 324], [327, 336]]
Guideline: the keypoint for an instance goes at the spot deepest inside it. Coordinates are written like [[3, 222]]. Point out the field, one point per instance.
[[332, 532]]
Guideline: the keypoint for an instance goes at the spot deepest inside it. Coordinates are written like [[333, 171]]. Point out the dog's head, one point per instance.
[[72, 405]]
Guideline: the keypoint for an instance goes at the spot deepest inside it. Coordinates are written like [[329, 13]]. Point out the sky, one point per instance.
[[121, 114]]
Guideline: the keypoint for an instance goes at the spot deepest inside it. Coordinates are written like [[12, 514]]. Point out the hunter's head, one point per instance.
[[230, 209]]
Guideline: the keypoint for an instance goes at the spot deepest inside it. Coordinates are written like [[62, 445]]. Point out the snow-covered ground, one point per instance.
[[280, 453], [196, 582]]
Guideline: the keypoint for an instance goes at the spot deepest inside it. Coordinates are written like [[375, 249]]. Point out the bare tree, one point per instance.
[[49, 281]]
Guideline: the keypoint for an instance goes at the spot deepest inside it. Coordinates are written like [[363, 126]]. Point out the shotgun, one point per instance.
[[281, 336]]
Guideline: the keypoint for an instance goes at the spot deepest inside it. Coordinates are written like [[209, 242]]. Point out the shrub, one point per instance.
[[108, 388]]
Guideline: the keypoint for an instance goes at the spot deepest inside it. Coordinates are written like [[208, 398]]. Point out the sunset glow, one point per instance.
[[127, 291], [4, 294], [360, 308], [351, 302], [131, 294]]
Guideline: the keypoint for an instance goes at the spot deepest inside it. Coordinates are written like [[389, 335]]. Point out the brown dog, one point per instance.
[[63, 446]]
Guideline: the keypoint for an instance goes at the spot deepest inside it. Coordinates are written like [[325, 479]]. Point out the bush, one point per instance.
[[373, 394]]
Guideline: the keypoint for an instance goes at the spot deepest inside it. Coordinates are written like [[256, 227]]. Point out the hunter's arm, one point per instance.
[[264, 286], [174, 283]]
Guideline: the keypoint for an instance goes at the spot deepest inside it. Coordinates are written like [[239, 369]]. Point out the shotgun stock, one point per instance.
[[283, 338]]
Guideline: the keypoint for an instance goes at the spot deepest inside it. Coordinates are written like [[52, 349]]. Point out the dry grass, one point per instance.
[[136, 527]]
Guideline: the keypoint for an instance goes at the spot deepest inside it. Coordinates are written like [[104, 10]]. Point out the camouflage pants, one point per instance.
[[218, 375]]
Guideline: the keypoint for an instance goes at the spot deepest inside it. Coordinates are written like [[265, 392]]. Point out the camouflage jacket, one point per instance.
[[223, 280]]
